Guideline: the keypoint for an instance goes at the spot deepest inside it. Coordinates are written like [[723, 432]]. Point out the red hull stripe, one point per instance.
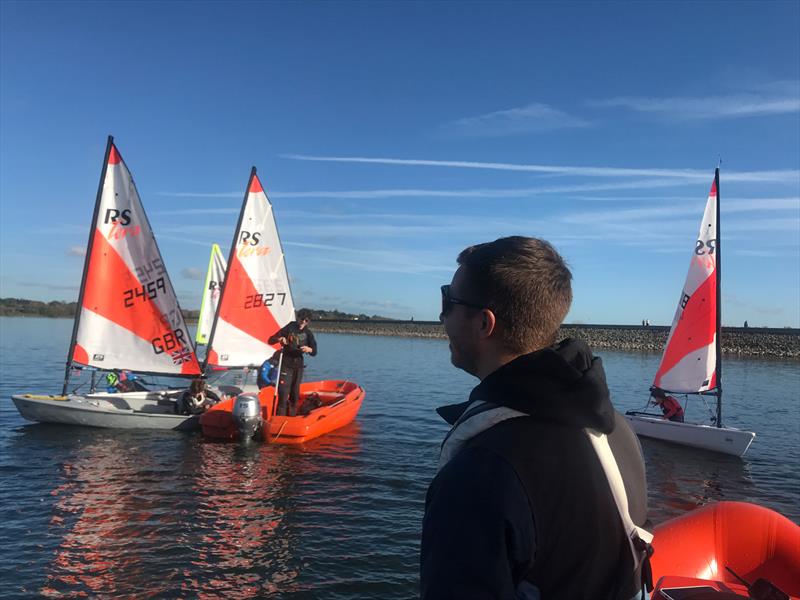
[[696, 326], [257, 322], [106, 282], [80, 355], [255, 186]]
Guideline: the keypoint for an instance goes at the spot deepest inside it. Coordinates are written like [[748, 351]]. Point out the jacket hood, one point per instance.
[[561, 384]]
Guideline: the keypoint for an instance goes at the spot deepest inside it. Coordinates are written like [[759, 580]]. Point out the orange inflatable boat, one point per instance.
[[337, 404], [695, 553]]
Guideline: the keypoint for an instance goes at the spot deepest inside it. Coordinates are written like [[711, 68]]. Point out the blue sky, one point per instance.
[[389, 136]]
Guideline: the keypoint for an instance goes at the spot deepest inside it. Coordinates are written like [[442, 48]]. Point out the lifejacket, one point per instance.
[[267, 374]]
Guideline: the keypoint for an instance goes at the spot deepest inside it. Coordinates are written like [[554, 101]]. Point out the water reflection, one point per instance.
[[681, 478], [143, 516], [111, 519]]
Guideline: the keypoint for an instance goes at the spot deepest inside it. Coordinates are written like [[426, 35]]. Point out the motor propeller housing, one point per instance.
[[247, 415]]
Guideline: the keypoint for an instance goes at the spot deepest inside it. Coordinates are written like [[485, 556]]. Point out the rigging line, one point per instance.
[[279, 431]]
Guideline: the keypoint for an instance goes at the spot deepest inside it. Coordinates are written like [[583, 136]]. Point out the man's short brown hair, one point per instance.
[[525, 283]]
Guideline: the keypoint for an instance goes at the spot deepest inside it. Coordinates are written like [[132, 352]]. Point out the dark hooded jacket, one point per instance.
[[524, 509]]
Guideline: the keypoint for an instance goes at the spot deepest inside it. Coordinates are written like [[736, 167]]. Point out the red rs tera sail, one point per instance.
[[690, 357], [256, 298], [129, 315]]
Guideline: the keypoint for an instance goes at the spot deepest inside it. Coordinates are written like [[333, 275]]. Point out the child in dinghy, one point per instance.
[[671, 408]]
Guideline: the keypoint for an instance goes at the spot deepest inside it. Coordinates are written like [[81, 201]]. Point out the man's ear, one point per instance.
[[488, 323]]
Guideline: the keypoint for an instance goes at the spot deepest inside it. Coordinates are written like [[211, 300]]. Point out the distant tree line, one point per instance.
[[19, 307]]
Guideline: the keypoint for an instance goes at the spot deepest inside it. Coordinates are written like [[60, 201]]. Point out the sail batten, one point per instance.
[[689, 362], [129, 316], [256, 299]]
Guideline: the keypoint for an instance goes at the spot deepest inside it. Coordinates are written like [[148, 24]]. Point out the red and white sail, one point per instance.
[[129, 317], [211, 294], [256, 299], [690, 359]]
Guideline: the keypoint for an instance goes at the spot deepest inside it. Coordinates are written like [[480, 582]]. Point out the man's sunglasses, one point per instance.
[[448, 301]]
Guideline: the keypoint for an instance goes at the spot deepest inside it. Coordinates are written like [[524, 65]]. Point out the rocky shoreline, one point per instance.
[[764, 342]]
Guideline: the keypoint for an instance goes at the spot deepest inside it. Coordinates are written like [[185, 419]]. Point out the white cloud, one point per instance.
[[791, 225], [531, 118], [201, 194], [76, 251], [195, 211], [684, 209], [759, 204], [757, 253], [776, 176], [385, 267], [193, 273], [772, 99]]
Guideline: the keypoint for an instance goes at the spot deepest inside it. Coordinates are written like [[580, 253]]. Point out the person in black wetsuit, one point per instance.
[[296, 340]]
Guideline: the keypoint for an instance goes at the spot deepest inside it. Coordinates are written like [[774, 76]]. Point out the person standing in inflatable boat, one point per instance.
[[522, 504], [296, 340]]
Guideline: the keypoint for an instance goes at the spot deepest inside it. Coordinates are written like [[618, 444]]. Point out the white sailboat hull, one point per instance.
[[716, 439], [121, 412]]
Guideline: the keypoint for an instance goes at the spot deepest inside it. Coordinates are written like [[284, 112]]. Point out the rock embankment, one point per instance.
[[775, 343]]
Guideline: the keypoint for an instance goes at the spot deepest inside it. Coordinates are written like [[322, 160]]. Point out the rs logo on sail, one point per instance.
[[701, 246], [246, 242], [120, 220], [249, 238]]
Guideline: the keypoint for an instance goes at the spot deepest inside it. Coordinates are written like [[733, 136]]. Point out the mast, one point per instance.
[[210, 342], [718, 362], [87, 261]]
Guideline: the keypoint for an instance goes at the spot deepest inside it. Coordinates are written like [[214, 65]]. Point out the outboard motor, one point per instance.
[[247, 415]]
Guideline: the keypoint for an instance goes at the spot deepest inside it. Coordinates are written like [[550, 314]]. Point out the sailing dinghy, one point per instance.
[[128, 319], [256, 301], [229, 382], [215, 278], [692, 360]]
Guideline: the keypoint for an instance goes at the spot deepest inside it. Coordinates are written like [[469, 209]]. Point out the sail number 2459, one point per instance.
[[145, 292], [259, 300]]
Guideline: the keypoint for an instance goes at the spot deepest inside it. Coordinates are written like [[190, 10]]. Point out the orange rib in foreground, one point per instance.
[[693, 550], [341, 401]]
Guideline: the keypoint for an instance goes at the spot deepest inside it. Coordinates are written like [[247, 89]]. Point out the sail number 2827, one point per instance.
[[259, 300]]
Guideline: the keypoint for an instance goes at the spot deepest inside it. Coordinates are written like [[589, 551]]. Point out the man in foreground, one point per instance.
[[521, 506], [296, 340]]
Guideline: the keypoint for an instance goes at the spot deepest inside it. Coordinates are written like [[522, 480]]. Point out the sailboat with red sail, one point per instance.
[[256, 301], [692, 359], [128, 320]]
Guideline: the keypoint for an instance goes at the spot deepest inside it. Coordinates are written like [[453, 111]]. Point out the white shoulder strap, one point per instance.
[[600, 443]]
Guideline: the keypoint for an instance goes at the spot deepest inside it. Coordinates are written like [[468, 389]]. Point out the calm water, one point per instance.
[[105, 513]]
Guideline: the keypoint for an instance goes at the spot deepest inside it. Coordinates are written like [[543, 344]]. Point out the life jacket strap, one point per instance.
[[639, 539]]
